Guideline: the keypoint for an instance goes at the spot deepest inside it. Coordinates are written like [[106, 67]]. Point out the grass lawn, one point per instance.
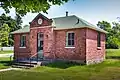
[[115, 53], [4, 62], [108, 70], [6, 52]]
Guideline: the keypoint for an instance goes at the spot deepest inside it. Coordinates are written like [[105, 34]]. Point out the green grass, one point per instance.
[[4, 62], [6, 52], [107, 70], [113, 52]]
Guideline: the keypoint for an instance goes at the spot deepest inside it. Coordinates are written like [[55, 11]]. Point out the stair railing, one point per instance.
[[32, 57]]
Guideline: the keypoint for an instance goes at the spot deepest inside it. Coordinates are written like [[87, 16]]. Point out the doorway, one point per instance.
[[40, 42]]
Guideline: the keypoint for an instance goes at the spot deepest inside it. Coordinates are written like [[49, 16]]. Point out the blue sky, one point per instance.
[[90, 10]]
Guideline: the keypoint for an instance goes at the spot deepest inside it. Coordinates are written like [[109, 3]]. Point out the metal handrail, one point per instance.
[[32, 57], [11, 56]]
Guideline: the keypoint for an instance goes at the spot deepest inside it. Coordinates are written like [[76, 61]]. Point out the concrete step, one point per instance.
[[26, 64], [18, 66], [29, 64], [27, 61]]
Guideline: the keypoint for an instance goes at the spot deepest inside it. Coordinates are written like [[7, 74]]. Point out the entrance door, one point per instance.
[[40, 45]]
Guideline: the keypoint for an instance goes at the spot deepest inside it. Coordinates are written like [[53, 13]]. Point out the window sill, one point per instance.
[[69, 47], [22, 47], [99, 48]]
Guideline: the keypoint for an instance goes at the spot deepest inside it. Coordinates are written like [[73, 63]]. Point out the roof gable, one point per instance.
[[39, 16], [45, 21]]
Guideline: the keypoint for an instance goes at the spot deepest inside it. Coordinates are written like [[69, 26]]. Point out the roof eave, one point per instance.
[[103, 31], [18, 32], [95, 28]]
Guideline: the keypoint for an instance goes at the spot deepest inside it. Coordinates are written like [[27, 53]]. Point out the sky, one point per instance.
[[89, 10]]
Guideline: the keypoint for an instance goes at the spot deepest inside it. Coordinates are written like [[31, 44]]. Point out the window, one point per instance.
[[70, 39], [98, 40], [22, 41]]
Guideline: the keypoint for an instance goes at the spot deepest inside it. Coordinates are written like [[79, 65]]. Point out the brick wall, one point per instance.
[[18, 51], [48, 41], [55, 43], [77, 53], [47, 31], [93, 53]]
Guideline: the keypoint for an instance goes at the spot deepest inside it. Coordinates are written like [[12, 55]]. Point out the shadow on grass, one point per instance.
[[113, 57], [6, 63], [63, 65]]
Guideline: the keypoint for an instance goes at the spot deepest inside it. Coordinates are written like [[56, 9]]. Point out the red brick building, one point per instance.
[[64, 38]]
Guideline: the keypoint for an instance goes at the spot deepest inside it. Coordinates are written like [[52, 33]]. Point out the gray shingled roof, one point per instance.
[[23, 30], [73, 22], [68, 22]]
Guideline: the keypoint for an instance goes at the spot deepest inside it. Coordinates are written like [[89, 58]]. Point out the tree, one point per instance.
[[14, 24], [4, 34], [116, 27], [113, 42], [19, 21], [24, 6], [104, 25], [113, 35], [8, 20]]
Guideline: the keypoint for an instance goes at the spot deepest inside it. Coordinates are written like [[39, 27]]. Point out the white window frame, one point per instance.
[[67, 44], [22, 42]]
